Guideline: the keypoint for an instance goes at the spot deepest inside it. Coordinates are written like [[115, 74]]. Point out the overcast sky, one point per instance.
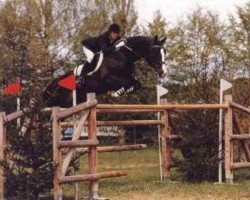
[[173, 10]]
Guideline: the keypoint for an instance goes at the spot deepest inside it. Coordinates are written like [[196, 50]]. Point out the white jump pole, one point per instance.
[[74, 118]]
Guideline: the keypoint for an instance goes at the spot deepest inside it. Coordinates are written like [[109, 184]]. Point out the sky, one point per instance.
[[173, 10]]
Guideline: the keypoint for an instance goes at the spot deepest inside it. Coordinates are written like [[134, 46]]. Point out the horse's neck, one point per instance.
[[140, 46]]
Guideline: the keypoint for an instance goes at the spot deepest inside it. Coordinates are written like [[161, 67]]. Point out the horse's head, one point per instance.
[[157, 55]]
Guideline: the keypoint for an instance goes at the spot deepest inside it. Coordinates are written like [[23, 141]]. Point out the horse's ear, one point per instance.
[[163, 40]]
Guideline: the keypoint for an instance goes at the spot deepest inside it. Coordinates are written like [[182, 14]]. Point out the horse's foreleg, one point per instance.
[[135, 86], [122, 82], [126, 90], [127, 85], [117, 93]]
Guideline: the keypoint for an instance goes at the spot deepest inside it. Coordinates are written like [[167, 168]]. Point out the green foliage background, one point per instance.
[[39, 39]]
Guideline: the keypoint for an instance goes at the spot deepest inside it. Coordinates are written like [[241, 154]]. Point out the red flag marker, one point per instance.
[[13, 89], [69, 82]]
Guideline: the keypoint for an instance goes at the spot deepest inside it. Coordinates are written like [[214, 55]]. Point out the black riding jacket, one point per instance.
[[101, 43]]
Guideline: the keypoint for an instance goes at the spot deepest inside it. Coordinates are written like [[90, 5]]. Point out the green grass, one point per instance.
[[142, 181]]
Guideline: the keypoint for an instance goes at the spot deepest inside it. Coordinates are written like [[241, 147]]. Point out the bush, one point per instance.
[[200, 146], [29, 169]]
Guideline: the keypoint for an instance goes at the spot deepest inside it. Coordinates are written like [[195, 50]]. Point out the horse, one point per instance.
[[116, 72]]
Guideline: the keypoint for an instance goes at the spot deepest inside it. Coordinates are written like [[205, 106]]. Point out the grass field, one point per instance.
[[142, 181]]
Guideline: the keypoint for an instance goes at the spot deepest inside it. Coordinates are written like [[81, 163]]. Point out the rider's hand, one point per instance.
[[119, 45]]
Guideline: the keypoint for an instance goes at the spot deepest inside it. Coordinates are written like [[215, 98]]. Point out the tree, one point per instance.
[[29, 170], [31, 41], [196, 63], [98, 16], [158, 26], [238, 54]]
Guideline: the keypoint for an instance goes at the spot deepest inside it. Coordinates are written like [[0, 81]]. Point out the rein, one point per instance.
[[131, 50]]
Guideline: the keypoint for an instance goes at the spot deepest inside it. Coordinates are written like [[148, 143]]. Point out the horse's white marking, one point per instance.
[[78, 70], [98, 64], [119, 92], [164, 67], [130, 89]]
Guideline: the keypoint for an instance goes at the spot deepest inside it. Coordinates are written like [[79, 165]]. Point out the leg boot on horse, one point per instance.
[[126, 85]]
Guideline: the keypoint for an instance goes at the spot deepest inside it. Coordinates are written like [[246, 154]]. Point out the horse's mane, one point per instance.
[[140, 43], [140, 39]]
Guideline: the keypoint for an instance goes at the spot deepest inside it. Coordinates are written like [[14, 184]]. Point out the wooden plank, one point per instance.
[[165, 146], [76, 109], [103, 110], [121, 123], [228, 143], [122, 148], [25, 126], [91, 177], [20, 113], [56, 154], [174, 137], [77, 144], [239, 165], [240, 107], [244, 144], [240, 137], [14, 115], [151, 107], [2, 153], [92, 154], [131, 123], [76, 136]]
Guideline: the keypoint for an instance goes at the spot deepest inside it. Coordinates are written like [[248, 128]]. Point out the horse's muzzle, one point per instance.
[[162, 72]]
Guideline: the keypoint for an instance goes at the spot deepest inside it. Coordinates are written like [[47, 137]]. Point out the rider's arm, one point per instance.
[[106, 49]]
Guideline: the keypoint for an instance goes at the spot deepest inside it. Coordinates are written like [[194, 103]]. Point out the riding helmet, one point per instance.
[[114, 28]]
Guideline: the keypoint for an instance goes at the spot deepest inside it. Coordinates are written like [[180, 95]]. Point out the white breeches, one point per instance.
[[89, 54]]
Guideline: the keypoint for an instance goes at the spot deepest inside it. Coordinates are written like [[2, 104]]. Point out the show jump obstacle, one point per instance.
[[88, 112]]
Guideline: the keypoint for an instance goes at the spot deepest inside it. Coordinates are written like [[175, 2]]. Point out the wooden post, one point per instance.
[[165, 144], [93, 185], [2, 153], [228, 142], [56, 153]]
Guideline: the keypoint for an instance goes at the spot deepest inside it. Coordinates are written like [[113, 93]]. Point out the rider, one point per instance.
[[105, 43]]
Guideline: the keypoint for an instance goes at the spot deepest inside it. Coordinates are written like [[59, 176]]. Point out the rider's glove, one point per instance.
[[119, 45]]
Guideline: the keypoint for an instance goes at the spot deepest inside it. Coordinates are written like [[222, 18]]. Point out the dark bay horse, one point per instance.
[[115, 74]]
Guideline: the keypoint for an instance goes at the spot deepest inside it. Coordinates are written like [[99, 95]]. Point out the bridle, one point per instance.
[[163, 61], [128, 48]]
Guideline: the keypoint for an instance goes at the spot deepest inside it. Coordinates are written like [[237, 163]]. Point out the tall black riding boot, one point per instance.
[[86, 69]]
